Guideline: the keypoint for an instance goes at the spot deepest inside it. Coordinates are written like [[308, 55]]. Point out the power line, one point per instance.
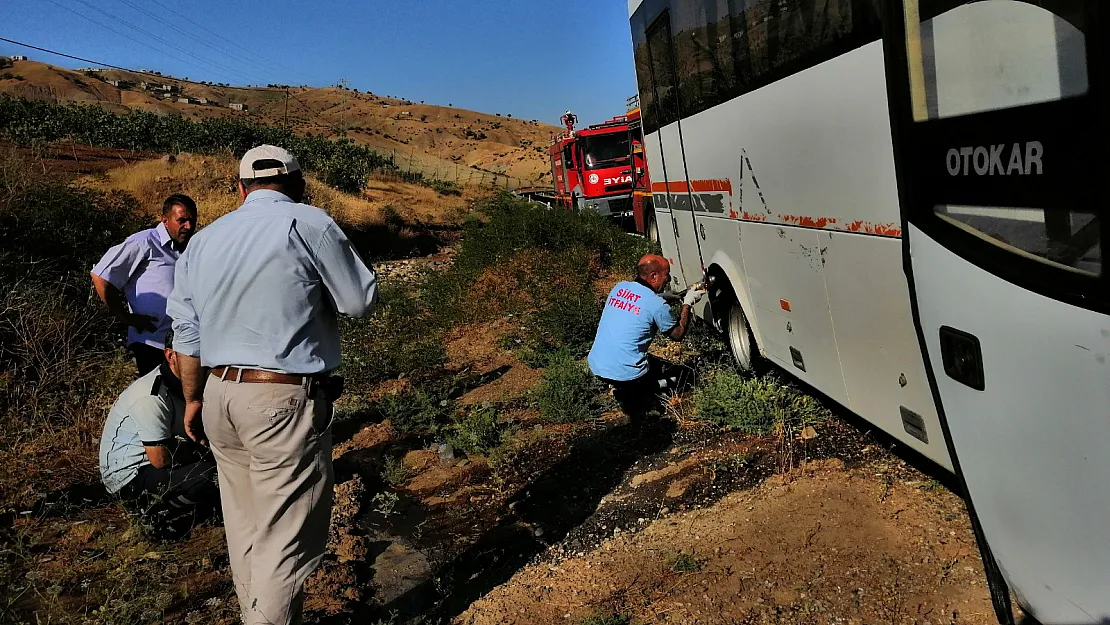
[[314, 113], [318, 117], [194, 37], [219, 36], [122, 69], [157, 38], [126, 36]]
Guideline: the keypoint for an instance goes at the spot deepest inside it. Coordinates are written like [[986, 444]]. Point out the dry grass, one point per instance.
[[211, 181]]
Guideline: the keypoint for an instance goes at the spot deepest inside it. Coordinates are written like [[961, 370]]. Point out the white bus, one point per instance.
[[897, 201]]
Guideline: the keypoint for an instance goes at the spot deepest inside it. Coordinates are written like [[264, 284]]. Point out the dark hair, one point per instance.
[[169, 339], [280, 180], [178, 199]]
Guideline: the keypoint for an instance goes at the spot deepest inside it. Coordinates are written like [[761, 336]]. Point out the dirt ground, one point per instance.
[[825, 544]]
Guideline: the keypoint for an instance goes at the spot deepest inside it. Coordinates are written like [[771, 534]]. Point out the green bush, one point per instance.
[[536, 262], [568, 392], [479, 431], [752, 405], [415, 412], [444, 187], [400, 337], [684, 563], [570, 322], [607, 619], [394, 471]]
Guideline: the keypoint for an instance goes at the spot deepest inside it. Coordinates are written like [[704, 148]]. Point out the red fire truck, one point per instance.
[[592, 167]]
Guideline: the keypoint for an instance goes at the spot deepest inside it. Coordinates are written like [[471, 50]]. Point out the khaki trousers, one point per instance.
[[272, 444]]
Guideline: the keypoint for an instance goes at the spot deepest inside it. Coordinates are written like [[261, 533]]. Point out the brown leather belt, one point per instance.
[[257, 376]]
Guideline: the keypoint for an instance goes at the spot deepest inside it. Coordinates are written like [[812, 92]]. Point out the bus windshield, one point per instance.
[[606, 150]]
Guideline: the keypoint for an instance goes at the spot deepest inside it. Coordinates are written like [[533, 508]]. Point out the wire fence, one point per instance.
[[414, 163]]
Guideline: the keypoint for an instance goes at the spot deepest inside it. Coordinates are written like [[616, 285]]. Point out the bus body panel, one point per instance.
[[1046, 523]]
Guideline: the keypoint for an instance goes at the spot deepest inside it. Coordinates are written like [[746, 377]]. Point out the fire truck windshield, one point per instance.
[[606, 150]]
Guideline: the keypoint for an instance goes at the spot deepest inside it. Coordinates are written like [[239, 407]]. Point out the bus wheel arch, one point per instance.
[[731, 320]]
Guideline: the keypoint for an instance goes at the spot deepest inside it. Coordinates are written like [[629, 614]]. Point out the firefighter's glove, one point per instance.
[[694, 295]]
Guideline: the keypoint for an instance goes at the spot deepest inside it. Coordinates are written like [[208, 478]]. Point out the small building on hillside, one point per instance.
[[120, 84], [18, 57], [184, 100], [237, 106], [201, 101]]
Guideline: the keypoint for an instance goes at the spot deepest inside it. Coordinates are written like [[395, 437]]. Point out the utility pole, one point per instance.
[[287, 109], [344, 85]]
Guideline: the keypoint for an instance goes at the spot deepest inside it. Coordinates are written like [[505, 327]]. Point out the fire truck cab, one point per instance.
[[593, 169]]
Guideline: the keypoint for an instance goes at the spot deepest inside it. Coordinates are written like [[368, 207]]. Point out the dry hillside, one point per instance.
[[441, 140]]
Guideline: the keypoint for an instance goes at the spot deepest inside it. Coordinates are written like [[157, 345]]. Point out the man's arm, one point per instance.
[[678, 332], [186, 342], [352, 285], [159, 455], [117, 305], [193, 377], [695, 293], [115, 269]]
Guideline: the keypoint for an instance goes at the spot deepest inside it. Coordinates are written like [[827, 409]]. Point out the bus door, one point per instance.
[[673, 190], [999, 110]]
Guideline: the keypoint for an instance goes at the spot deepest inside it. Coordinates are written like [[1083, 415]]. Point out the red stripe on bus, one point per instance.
[[804, 221], [695, 186]]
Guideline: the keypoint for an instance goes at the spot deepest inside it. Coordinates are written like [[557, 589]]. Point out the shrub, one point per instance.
[[607, 619], [394, 471], [415, 412], [444, 187], [752, 405], [400, 337], [478, 432], [524, 258], [684, 563], [568, 392], [570, 322]]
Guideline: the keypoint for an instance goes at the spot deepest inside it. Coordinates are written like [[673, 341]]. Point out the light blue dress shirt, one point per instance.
[[632, 315], [143, 268], [261, 288], [146, 413]]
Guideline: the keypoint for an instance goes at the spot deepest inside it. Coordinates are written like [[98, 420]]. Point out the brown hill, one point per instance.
[[443, 141]]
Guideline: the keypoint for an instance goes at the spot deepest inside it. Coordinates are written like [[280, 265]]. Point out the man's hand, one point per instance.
[[142, 323], [694, 295], [194, 426]]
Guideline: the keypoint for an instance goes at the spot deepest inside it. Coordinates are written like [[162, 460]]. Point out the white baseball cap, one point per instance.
[[288, 162]]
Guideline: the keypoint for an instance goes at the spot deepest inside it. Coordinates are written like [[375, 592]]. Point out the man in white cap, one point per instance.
[[254, 309]]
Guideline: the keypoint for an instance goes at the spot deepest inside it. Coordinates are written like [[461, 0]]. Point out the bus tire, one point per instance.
[[651, 228], [741, 341]]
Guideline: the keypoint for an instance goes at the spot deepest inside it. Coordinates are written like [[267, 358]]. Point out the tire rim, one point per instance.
[[739, 338]]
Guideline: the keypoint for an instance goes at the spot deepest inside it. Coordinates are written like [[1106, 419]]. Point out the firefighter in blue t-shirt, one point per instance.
[[634, 312]]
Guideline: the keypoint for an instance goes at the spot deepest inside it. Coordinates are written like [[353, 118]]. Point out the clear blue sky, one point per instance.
[[529, 58]]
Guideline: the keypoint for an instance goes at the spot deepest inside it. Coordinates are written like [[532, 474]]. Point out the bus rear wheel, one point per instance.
[[651, 229], [740, 340]]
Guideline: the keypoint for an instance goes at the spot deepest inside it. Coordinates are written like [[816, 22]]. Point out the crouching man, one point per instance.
[[170, 481], [634, 313]]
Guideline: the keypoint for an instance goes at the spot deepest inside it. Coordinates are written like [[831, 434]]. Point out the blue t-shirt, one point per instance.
[[633, 314]]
